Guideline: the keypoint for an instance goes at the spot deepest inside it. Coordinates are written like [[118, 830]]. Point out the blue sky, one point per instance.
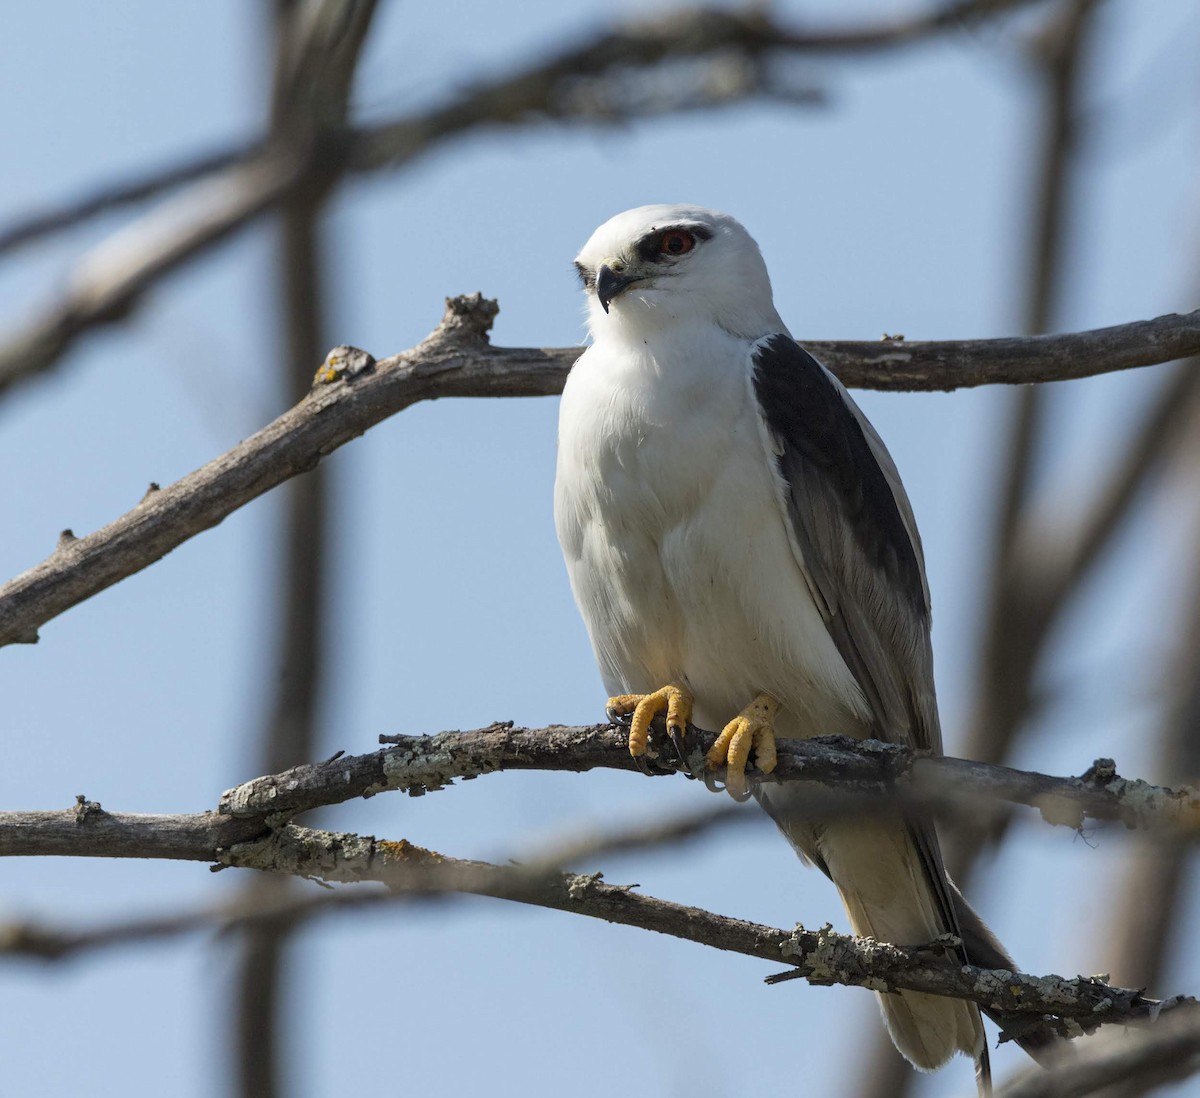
[[899, 208]]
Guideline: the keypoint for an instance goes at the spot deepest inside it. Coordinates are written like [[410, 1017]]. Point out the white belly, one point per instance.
[[670, 520]]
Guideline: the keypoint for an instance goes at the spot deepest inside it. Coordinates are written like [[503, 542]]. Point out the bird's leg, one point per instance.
[[753, 727], [675, 698]]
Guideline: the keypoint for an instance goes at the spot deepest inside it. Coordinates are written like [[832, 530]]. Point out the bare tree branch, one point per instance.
[[261, 838], [33, 226], [354, 393], [107, 288], [286, 910], [1152, 901], [89, 831], [317, 48], [867, 771], [109, 280], [1145, 1059], [550, 90], [822, 956]]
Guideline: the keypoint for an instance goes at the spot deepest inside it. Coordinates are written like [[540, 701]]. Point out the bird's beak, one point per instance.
[[609, 284]]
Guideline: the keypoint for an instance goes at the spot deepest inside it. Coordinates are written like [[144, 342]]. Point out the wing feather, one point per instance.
[[854, 531]]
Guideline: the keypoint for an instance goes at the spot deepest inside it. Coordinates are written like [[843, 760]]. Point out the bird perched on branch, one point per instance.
[[744, 555]]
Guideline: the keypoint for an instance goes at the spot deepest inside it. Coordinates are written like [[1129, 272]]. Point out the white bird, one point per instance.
[[744, 556]]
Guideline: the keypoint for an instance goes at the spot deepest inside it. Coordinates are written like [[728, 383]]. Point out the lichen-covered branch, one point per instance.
[[821, 956], [1066, 1006], [868, 771], [252, 830], [354, 392]]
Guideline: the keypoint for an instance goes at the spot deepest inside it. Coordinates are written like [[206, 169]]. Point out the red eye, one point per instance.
[[676, 242]]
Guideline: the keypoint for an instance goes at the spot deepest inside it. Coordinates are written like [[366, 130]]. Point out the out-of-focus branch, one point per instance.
[[822, 956], [109, 280], [354, 392], [1041, 562], [256, 909], [1144, 1059], [317, 48], [568, 87], [1153, 898], [551, 89], [44, 942], [1018, 614], [32, 227]]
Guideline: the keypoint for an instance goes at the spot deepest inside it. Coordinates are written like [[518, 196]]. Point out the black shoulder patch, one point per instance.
[[807, 414]]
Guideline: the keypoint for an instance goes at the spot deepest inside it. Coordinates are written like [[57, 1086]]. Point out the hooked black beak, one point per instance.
[[609, 284]]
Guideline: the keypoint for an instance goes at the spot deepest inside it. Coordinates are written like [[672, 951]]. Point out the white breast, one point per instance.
[[670, 519]]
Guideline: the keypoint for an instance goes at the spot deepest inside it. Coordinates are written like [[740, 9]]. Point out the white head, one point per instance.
[[649, 267]]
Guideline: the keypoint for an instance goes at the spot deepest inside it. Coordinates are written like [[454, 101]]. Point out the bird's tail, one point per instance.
[[878, 872], [877, 869]]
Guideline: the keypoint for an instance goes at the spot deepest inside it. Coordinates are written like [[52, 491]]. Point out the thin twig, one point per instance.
[[356, 393]]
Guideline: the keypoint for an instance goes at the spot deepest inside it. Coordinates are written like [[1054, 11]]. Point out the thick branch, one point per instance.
[[869, 772], [354, 393], [88, 831], [872, 770]]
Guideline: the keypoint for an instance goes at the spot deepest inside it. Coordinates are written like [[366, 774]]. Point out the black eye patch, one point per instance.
[[649, 248], [585, 276]]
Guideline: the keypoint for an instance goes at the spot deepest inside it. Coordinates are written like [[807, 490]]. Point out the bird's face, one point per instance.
[[655, 264]]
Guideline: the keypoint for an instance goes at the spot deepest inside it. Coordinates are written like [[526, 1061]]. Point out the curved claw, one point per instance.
[[752, 729], [675, 698]]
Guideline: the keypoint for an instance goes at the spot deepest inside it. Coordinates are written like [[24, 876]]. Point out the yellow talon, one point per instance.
[[675, 698], [753, 728]]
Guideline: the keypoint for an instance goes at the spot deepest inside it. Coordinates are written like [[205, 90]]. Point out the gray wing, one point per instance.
[[854, 530]]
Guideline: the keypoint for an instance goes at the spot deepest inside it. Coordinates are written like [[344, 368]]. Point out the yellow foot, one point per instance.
[[675, 698], [753, 727]]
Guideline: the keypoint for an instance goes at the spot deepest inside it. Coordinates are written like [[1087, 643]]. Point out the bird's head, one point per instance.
[[656, 264]]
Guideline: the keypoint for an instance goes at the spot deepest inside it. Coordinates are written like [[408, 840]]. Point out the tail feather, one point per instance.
[[878, 873]]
